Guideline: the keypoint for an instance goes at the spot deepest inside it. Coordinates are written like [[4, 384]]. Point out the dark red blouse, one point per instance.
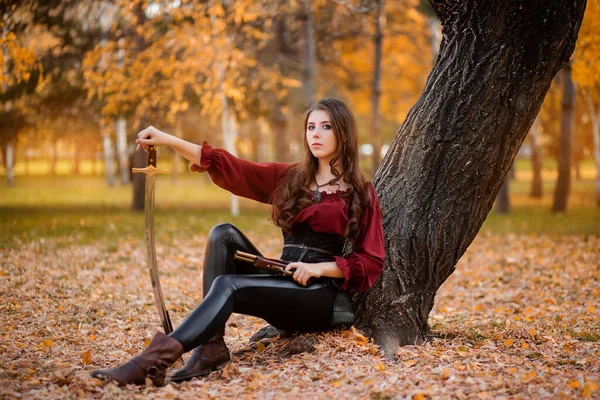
[[258, 181]]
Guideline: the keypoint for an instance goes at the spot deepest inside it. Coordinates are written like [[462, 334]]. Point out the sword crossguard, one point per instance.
[[150, 170]]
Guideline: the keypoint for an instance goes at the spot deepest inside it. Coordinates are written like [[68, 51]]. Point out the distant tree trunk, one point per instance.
[[255, 135], [53, 158], [109, 158], [27, 160], [77, 157], [228, 127], [122, 156], [563, 183], [280, 135], [376, 83], [309, 52], [139, 159], [263, 146], [176, 158], [436, 36], [439, 179], [9, 164], [277, 120], [97, 160], [595, 117], [536, 160], [503, 198]]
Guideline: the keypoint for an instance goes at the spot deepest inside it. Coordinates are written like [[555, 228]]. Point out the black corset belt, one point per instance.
[[304, 244]]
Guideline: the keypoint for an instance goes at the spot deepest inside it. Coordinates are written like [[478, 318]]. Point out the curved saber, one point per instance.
[[150, 171]]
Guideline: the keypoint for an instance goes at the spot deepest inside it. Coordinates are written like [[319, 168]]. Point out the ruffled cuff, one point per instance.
[[205, 159], [353, 277]]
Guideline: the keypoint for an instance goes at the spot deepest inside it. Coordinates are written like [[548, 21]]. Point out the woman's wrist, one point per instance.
[[330, 270]]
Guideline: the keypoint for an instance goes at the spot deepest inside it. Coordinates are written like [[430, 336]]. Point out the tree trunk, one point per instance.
[[255, 135], [563, 183], [536, 160], [309, 52], [280, 135], [9, 163], [109, 158], [122, 157], [76, 157], [27, 160], [277, 120], [376, 83], [595, 117], [140, 160], [176, 158], [53, 158], [439, 179], [503, 198], [228, 127], [436, 36]]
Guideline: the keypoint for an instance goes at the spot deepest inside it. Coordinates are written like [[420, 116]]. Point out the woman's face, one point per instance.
[[320, 136]]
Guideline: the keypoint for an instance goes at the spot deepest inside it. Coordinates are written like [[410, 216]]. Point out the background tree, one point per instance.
[[536, 160], [586, 72], [563, 183], [443, 171]]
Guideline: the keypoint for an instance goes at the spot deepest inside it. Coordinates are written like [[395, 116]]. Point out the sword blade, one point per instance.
[[152, 263]]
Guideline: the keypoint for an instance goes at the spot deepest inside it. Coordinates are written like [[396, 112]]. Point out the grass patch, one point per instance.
[[84, 225], [82, 209]]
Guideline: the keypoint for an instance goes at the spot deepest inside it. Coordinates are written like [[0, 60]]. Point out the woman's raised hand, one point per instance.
[[152, 136], [304, 271]]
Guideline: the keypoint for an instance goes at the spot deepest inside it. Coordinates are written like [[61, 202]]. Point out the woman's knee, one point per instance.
[[220, 231], [223, 282]]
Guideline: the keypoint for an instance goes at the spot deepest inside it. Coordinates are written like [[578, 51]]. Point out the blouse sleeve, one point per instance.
[[364, 264], [256, 181]]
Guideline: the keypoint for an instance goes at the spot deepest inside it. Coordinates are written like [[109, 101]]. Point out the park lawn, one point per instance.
[[83, 209]]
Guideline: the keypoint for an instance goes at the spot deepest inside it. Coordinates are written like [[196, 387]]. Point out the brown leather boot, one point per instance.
[[205, 358], [160, 354]]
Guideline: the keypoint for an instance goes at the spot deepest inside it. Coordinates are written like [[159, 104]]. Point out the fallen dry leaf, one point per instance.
[[541, 294]]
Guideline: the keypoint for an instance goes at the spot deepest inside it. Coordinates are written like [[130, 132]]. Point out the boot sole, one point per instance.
[[189, 377]]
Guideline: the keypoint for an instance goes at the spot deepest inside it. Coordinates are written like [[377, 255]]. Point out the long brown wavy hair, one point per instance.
[[293, 193]]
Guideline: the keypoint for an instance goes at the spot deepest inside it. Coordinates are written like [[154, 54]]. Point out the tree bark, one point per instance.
[[376, 83], [439, 179], [536, 160], [563, 182]]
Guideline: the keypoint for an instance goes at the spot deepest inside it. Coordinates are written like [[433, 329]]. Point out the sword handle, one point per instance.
[[151, 156]]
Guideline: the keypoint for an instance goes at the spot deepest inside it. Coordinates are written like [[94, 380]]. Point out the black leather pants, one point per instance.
[[234, 286]]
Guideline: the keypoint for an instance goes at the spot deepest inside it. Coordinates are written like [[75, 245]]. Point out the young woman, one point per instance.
[[332, 232]]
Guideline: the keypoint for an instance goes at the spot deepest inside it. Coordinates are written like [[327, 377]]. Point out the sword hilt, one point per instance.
[[150, 169]]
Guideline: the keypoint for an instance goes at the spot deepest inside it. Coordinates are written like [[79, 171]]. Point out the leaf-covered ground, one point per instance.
[[520, 318]]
